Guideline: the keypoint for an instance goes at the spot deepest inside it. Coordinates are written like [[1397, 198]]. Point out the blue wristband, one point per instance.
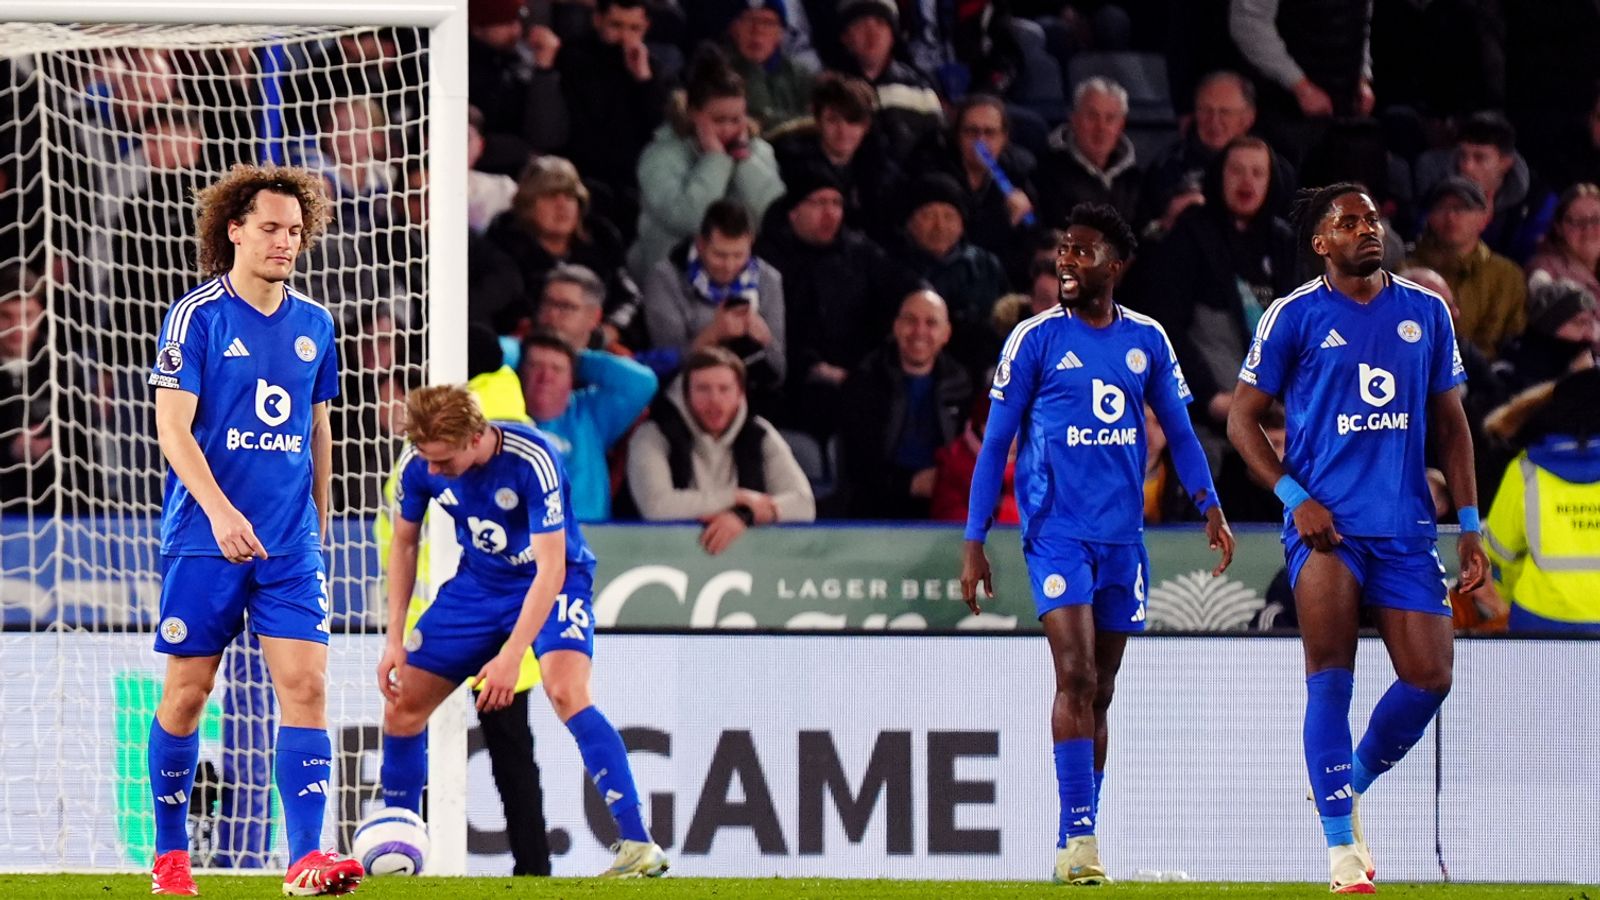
[[1468, 517], [1290, 492]]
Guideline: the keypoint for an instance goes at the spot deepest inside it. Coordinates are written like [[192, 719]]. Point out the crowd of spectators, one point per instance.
[[770, 237]]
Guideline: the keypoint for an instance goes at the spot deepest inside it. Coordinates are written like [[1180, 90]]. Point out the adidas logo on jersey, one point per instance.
[[448, 498], [573, 632], [1334, 339], [1085, 822], [315, 787], [236, 349], [176, 798], [1070, 361], [1344, 793]]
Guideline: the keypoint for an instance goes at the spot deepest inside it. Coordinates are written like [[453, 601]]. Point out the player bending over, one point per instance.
[[1366, 364], [524, 580], [1075, 380], [244, 371]]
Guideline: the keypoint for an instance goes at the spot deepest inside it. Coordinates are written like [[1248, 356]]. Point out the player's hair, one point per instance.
[[545, 339], [728, 218], [852, 98], [1106, 220], [234, 197], [711, 358], [1311, 205], [1491, 128], [444, 412]]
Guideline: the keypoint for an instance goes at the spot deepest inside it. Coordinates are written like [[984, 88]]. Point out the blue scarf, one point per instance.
[[746, 284]]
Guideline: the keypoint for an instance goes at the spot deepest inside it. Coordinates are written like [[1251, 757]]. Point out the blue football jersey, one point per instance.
[[1081, 446], [497, 507], [257, 378], [1355, 379]]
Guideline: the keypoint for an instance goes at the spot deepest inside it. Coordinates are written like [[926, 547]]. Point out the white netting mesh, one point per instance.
[[105, 132]]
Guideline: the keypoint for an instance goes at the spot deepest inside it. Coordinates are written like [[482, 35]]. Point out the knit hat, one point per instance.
[[1461, 187], [553, 175], [1552, 302], [778, 6], [807, 180], [851, 10], [934, 187], [488, 13]]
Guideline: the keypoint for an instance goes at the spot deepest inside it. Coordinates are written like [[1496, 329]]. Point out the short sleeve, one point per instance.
[[327, 385], [1166, 384], [1266, 365], [181, 349], [1017, 373], [1445, 370], [411, 492]]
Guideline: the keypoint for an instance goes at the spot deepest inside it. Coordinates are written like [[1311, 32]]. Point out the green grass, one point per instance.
[[47, 887]]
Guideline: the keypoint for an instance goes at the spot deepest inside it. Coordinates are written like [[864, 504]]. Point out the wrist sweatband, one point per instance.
[[1290, 492]]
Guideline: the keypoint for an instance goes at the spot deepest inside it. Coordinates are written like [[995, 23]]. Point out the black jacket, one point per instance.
[[875, 414]]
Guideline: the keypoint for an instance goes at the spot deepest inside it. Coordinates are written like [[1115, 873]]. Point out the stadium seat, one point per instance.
[[819, 461], [1038, 85]]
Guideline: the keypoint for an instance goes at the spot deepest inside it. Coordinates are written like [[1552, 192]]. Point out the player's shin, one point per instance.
[[404, 770], [172, 762], [606, 759], [1076, 784], [1397, 723], [1327, 748], [304, 765]]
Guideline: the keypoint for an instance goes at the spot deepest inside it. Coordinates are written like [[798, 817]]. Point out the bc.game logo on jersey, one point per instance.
[[272, 408], [1377, 389], [1109, 405]]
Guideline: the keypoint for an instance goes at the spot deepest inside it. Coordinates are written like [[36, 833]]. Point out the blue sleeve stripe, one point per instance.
[[183, 310], [1270, 318], [1014, 342], [536, 457]]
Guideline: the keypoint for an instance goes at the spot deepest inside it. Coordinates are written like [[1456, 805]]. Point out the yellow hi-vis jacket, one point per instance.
[[1543, 535], [500, 394]]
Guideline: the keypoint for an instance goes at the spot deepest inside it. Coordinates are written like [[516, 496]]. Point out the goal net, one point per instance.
[[105, 133]]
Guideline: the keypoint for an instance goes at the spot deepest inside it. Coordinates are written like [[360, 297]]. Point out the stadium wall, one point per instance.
[[920, 757]]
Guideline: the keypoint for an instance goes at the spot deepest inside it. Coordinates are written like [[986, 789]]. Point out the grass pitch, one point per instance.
[[48, 887]]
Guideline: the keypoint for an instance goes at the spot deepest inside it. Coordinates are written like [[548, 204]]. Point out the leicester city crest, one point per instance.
[[305, 348], [1410, 331], [173, 631], [1137, 361], [505, 498], [1054, 585]]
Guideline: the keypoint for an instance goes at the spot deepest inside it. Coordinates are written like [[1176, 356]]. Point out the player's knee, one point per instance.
[[402, 720], [303, 690], [182, 704], [567, 699], [1103, 689], [1076, 681], [1436, 681]]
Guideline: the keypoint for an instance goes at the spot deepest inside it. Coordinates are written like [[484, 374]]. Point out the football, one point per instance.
[[391, 841]]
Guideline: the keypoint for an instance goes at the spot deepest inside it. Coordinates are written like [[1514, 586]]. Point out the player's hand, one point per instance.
[[975, 569], [236, 537], [391, 668], [1315, 525], [1474, 564], [1220, 537], [721, 531], [497, 681]]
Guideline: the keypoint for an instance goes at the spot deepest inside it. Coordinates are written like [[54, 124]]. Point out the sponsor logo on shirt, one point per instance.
[[1377, 389], [1377, 385], [552, 509], [1109, 402]]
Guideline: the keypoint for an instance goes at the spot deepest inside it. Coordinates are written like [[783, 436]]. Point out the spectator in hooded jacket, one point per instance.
[[1091, 159]]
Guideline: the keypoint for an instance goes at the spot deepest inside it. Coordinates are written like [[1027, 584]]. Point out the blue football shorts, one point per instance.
[[1070, 572], [470, 620], [204, 600], [1397, 573]]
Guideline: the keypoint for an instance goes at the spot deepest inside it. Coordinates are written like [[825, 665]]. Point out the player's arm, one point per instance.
[[322, 468], [1189, 458], [1448, 422], [175, 411], [401, 577], [498, 677], [1311, 519], [987, 478]]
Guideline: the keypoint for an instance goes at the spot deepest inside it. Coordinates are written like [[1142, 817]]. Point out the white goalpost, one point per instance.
[[111, 115]]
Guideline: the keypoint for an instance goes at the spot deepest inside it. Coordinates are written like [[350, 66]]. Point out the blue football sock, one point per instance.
[[607, 761], [1327, 745], [1099, 780], [1398, 721], [172, 763], [304, 764], [404, 770], [1075, 784]]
